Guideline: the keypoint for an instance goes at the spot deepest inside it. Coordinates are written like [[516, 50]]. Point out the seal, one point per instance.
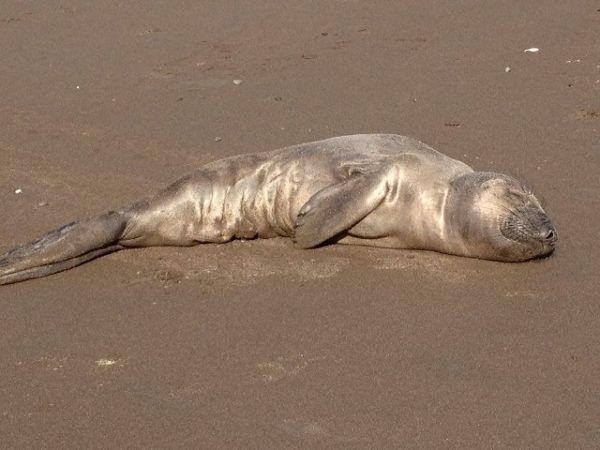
[[380, 190]]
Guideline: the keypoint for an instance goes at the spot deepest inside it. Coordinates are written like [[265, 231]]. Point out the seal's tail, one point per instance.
[[168, 218], [66, 247]]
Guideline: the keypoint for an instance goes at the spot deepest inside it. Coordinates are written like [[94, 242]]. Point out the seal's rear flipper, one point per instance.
[[61, 249], [337, 208]]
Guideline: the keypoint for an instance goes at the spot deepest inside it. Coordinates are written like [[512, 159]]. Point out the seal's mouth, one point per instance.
[[529, 228]]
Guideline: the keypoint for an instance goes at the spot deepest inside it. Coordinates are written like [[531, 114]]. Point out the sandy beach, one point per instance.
[[259, 344]]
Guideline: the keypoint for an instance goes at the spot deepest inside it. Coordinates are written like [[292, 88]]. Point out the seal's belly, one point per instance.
[[258, 201]]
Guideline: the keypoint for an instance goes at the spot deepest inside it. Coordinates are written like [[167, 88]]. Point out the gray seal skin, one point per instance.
[[381, 190]]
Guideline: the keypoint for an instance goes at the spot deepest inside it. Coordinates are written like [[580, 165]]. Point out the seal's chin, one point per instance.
[[532, 231]]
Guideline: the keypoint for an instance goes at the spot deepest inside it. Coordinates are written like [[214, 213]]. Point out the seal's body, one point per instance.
[[261, 195], [381, 190]]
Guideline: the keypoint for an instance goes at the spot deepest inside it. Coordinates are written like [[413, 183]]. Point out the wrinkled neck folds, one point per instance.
[[461, 219]]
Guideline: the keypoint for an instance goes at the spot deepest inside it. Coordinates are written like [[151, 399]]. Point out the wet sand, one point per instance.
[[260, 344]]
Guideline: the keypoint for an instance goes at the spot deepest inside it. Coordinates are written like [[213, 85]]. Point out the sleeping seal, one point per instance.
[[381, 190]]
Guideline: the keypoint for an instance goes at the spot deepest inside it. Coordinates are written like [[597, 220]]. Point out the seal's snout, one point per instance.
[[548, 234]]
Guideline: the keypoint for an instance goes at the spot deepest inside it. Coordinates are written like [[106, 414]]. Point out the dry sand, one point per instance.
[[259, 344]]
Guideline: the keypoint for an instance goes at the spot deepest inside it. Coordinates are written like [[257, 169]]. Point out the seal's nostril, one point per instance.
[[550, 235]]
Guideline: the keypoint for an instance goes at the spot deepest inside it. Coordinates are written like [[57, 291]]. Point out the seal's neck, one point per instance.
[[461, 217]]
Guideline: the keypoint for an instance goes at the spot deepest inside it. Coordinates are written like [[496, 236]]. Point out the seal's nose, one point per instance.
[[548, 234]]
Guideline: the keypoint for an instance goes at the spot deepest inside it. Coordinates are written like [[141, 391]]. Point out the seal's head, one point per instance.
[[497, 217]]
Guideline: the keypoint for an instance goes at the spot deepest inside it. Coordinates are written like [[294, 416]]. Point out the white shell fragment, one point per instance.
[[237, 82], [106, 362], [18, 191], [531, 50], [507, 69]]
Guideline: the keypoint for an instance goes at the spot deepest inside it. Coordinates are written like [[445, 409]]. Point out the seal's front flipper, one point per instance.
[[337, 208], [61, 249]]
